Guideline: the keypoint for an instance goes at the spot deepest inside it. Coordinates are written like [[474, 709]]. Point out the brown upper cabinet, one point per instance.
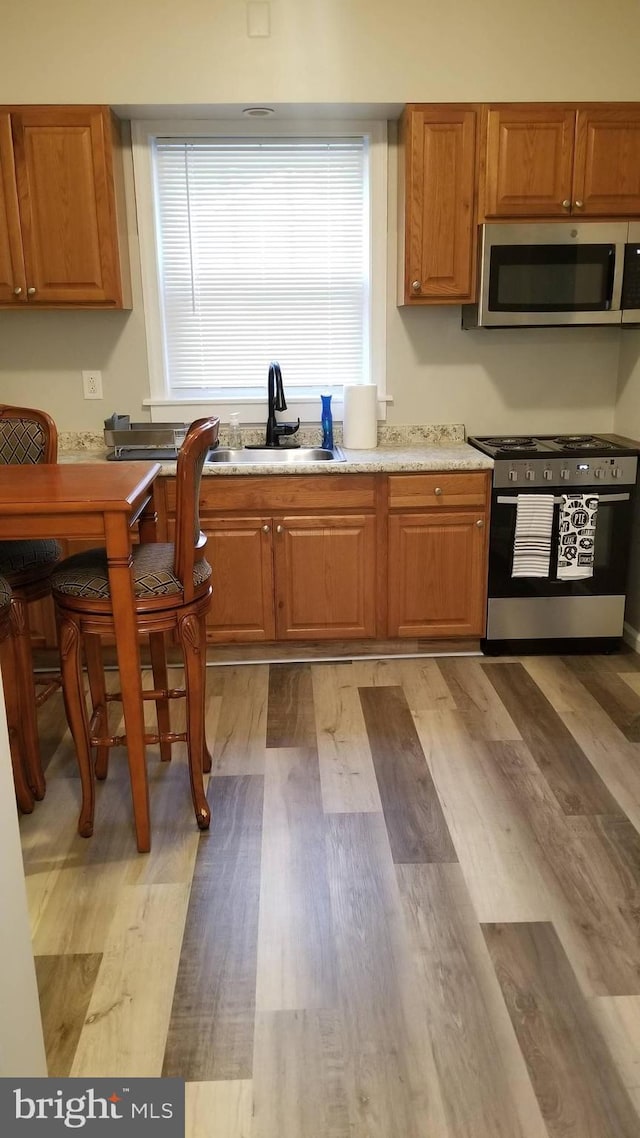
[[554, 160], [62, 231], [436, 201]]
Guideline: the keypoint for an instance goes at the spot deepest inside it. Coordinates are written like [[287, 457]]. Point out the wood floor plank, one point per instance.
[[486, 1089], [615, 697], [613, 756], [128, 1014], [421, 681], [474, 697], [290, 717], [296, 951], [618, 1018], [596, 912], [219, 1109], [240, 740], [577, 1084], [65, 985], [299, 1076], [500, 858], [392, 1083], [347, 774], [412, 811], [212, 1019], [576, 784]]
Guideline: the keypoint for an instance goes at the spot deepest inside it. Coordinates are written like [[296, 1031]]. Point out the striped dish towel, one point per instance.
[[532, 543]]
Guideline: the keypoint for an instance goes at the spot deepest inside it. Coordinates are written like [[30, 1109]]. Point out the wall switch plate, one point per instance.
[[258, 18], [92, 384]]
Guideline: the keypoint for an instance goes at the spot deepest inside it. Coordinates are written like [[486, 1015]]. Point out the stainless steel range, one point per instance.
[[566, 591]]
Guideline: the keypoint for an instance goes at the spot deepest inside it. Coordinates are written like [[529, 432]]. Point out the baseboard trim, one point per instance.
[[631, 636]]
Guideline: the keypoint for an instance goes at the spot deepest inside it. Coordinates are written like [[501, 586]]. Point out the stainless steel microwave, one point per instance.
[[545, 273]]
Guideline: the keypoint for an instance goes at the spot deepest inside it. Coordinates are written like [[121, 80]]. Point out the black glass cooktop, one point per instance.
[[523, 446]]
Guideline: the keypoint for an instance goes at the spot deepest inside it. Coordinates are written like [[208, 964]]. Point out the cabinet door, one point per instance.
[[607, 166], [240, 554], [325, 576], [528, 158], [440, 246], [12, 276], [437, 574], [67, 205]]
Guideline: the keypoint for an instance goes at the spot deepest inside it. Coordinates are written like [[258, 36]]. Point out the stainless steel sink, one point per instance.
[[287, 456]]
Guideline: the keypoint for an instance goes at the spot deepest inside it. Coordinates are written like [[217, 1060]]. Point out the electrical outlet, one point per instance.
[[92, 384]]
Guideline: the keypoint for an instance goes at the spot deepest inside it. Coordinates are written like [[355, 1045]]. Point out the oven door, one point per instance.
[[613, 529]]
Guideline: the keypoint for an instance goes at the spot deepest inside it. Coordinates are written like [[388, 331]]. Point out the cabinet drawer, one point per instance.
[[274, 493], [445, 489]]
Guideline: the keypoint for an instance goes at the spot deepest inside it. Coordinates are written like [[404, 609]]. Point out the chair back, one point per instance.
[[5, 608], [26, 436], [190, 542]]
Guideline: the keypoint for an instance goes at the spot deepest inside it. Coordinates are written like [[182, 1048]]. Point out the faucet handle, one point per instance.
[[288, 428]]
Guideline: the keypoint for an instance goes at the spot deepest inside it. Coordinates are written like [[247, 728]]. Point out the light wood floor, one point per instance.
[[416, 913]]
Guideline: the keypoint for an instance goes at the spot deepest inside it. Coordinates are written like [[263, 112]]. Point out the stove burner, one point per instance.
[[583, 442], [516, 441]]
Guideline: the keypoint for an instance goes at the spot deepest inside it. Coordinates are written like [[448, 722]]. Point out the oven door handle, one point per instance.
[[513, 501]]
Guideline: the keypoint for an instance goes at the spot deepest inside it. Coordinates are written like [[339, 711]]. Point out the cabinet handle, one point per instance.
[[566, 204], [266, 529], [31, 291], [480, 523], [438, 490], [579, 204], [416, 285], [17, 290], [279, 529]]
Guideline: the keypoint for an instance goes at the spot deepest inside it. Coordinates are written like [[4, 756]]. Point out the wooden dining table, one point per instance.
[[99, 502]]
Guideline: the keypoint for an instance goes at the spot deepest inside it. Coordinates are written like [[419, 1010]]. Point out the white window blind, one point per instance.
[[263, 254]]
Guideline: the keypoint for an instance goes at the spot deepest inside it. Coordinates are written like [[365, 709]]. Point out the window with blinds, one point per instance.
[[263, 253]]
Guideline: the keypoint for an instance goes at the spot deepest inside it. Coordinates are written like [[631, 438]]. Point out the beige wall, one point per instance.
[[151, 52], [197, 51]]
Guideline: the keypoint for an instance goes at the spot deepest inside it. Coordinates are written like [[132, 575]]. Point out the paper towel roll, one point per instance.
[[360, 422]]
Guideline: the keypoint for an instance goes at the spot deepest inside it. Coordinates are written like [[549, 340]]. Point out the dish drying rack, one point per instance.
[[130, 441]]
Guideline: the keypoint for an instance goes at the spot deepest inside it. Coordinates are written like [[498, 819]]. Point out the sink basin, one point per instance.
[[287, 456]]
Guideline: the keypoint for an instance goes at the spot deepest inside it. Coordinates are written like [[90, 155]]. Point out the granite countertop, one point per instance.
[[401, 449]]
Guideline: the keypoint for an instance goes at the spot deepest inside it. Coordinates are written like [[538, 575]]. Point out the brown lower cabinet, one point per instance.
[[340, 556]]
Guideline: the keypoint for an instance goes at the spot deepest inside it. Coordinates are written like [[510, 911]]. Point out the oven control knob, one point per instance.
[[564, 473], [547, 474], [513, 475], [598, 472], [617, 472], [530, 475]]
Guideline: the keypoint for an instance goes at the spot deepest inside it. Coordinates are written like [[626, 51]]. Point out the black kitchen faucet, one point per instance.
[[277, 402]]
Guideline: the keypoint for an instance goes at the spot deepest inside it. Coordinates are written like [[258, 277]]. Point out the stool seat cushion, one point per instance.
[[22, 556], [86, 574]]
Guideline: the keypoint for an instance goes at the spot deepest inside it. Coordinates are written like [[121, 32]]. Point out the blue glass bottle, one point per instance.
[[327, 423]]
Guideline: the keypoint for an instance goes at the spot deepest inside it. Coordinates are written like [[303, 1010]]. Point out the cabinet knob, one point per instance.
[[578, 204], [480, 523], [17, 290], [266, 529], [31, 291], [438, 490], [279, 529], [566, 204], [416, 285]]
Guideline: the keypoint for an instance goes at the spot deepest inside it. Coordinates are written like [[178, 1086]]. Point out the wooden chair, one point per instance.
[[24, 796], [27, 436], [173, 594]]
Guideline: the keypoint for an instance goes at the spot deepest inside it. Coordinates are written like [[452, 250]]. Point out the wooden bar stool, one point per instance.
[[24, 797], [27, 436], [173, 593]]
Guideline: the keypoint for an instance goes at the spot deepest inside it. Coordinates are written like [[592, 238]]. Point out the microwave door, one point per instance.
[[631, 277], [542, 274]]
